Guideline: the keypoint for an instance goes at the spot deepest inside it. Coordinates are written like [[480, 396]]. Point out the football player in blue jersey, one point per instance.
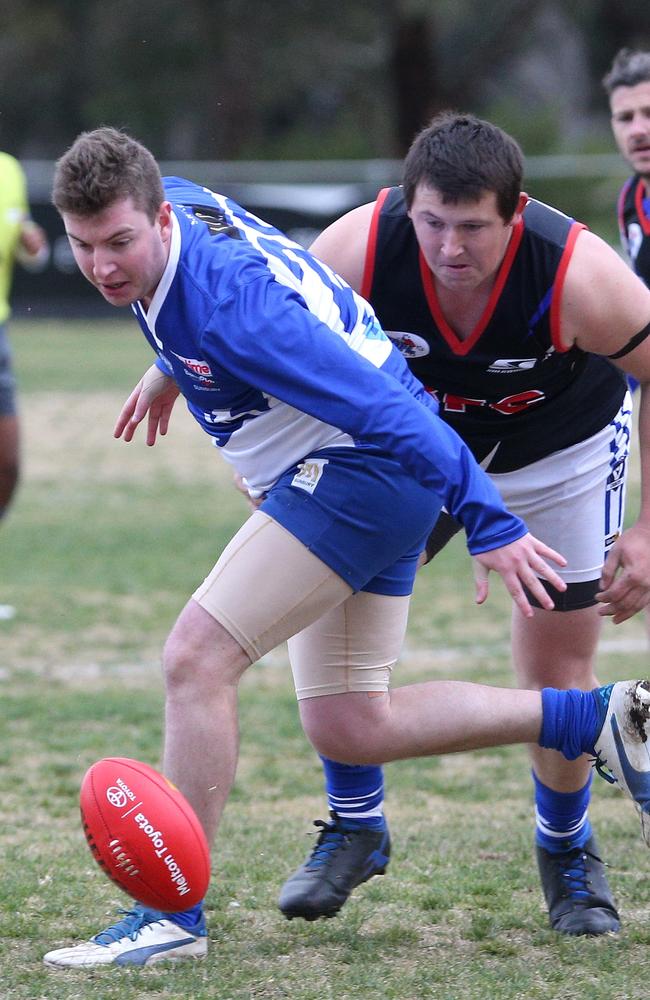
[[287, 368], [502, 307]]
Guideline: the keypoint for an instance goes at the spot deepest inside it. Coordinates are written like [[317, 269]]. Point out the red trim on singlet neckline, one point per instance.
[[457, 345], [638, 205], [558, 285], [371, 245]]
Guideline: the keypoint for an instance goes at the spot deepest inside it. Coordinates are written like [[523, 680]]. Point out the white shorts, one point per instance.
[[574, 500]]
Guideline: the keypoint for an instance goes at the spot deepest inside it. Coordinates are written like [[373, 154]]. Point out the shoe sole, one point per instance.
[[153, 960]]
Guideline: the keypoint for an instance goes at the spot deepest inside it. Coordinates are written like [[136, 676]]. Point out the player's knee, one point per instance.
[[337, 743], [200, 658], [339, 728], [178, 662], [187, 667]]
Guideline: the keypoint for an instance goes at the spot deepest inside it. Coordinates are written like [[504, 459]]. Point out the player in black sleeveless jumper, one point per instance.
[[507, 310], [628, 88]]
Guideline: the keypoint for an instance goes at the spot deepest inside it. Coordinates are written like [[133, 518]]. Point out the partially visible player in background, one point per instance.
[[22, 241], [628, 87]]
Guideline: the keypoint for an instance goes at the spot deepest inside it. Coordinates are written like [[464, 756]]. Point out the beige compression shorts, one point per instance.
[[267, 587]]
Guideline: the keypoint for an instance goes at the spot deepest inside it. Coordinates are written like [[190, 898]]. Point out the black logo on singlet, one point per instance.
[[216, 221]]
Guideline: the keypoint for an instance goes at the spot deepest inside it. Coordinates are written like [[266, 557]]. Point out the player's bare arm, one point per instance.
[[343, 244], [604, 306]]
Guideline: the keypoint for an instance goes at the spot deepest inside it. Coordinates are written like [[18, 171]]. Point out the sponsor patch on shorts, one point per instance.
[[309, 474]]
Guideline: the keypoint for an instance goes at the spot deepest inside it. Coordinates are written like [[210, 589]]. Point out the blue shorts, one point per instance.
[[361, 513]]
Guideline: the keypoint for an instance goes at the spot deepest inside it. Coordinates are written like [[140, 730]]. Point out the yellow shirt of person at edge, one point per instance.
[[14, 211]]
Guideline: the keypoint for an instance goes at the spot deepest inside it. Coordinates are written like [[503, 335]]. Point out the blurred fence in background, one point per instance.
[[301, 198]]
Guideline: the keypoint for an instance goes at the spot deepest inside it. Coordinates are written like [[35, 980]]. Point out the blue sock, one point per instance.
[[571, 720], [187, 918], [355, 792], [561, 817]]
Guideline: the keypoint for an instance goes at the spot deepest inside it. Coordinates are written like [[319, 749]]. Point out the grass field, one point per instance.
[[99, 554]]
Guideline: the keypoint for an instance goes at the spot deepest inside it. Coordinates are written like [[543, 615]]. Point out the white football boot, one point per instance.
[[623, 743], [141, 938]]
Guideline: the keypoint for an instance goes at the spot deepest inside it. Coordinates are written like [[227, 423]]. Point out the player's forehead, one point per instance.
[[430, 201], [121, 215], [626, 100]]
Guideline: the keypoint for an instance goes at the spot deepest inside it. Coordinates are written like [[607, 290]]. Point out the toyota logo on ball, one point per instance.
[[116, 797]]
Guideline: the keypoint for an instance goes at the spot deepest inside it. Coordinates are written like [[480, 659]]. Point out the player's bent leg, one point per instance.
[[265, 587], [557, 649], [611, 723], [420, 720], [352, 647], [202, 664]]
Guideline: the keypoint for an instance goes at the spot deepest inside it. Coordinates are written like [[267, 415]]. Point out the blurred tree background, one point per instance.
[[331, 85], [306, 79]]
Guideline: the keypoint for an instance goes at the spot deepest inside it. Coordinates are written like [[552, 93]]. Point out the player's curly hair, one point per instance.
[[102, 167], [462, 157], [630, 66]]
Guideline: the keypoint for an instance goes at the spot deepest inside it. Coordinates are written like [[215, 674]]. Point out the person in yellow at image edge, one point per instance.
[[21, 241]]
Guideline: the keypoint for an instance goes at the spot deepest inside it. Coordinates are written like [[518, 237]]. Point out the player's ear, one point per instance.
[[164, 219], [521, 204]]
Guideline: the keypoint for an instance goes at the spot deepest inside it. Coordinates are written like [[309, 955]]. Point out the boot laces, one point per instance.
[[573, 870], [133, 922], [600, 763], [330, 839]]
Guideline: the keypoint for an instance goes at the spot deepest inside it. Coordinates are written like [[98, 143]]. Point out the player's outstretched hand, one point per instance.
[[155, 394], [520, 564], [625, 580]]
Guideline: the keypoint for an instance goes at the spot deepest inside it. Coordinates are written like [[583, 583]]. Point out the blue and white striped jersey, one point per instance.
[[278, 358]]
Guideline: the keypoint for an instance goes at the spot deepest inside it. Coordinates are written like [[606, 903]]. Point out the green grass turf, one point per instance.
[[99, 554]]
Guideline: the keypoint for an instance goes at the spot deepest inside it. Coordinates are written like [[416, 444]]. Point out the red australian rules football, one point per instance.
[[144, 834]]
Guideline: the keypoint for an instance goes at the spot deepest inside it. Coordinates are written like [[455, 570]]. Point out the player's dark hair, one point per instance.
[[630, 66], [102, 167], [462, 157]]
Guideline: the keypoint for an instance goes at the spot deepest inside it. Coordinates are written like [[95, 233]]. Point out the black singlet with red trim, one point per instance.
[[634, 224], [510, 390]]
